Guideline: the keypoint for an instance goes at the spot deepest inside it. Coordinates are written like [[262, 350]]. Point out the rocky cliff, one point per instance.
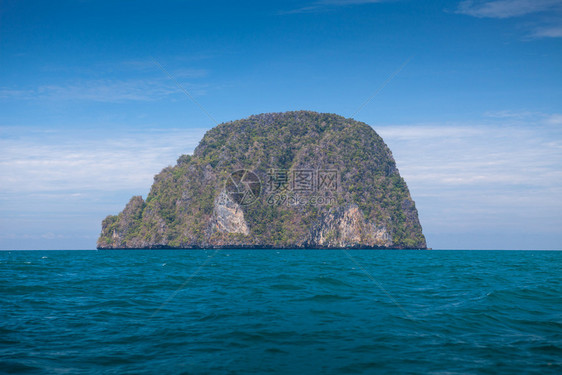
[[295, 179]]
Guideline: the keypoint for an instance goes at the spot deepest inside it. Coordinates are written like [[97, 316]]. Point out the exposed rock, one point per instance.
[[228, 216], [347, 227]]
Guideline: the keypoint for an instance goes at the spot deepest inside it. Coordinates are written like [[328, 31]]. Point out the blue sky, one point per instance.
[[474, 117]]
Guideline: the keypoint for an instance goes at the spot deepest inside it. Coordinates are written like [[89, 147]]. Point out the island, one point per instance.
[[297, 179]]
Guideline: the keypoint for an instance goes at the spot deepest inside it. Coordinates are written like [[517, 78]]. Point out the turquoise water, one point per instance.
[[288, 311]]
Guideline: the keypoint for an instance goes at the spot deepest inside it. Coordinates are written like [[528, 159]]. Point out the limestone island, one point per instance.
[[277, 180]]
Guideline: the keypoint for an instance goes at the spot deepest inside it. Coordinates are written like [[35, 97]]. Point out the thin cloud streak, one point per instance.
[[103, 90], [506, 8], [548, 32], [543, 17], [144, 83], [324, 5]]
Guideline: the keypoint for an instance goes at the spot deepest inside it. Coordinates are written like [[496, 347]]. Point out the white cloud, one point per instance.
[[555, 119], [506, 8], [150, 65], [477, 176], [83, 161], [106, 90], [349, 2], [507, 114], [146, 82], [7, 93], [323, 5], [548, 32], [547, 22]]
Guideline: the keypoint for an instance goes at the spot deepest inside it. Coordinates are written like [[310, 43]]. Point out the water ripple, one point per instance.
[[280, 311]]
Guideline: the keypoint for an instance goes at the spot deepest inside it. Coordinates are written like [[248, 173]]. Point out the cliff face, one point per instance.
[[294, 179]]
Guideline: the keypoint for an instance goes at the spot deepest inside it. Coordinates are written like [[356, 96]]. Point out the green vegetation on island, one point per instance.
[[365, 203]]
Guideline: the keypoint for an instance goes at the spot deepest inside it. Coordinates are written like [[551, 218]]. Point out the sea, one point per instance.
[[280, 312]]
